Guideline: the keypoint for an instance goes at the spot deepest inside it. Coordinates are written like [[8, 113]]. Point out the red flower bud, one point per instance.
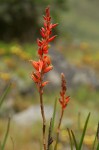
[[35, 65], [40, 52], [42, 33], [45, 83], [47, 60], [47, 69], [45, 49], [67, 99], [43, 29], [39, 42], [54, 25], [52, 38], [36, 76], [47, 12], [44, 17], [40, 65]]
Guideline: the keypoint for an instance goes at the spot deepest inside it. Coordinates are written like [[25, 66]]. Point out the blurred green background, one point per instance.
[[77, 41]]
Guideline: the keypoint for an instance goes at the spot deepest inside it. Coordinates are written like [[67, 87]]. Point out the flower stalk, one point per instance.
[[63, 101], [43, 65]]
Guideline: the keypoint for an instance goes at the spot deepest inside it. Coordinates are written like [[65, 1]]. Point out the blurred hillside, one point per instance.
[[21, 20], [82, 20]]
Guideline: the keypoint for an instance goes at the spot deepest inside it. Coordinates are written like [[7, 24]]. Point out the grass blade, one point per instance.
[[79, 121], [6, 135], [84, 131], [4, 94], [97, 146], [54, 114], [74, 139], [12, 143], [70, 138], [53, 119], [98, 132], [94, 143], [50, 139]]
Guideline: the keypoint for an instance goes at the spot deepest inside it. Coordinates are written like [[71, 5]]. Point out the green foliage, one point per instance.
[[20, 19], [72, 136], [6, 136], [74, 140], [54, 114], [8, 126], [94, 143], [83, 133], [4, 94]]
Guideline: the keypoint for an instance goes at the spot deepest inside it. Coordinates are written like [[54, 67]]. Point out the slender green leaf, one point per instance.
[[97, 146], [70, 138], [12, 143], [4, 94], [53, 119], [79, 121], [50, 139], [6, 135], [84, 131], [54, 114], [74, 139], [94, 143], [98, 132], [40, 144]]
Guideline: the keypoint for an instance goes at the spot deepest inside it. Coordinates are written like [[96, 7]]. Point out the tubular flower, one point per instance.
[[43, 65], [46, 32], [36, 77], [64, 99]]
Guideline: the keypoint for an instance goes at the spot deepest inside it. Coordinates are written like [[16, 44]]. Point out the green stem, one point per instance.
[[58, 129], [43, 115]]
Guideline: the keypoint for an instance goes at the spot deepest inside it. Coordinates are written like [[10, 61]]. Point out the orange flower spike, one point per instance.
[[45, 33], [63, 101], [43, 66]]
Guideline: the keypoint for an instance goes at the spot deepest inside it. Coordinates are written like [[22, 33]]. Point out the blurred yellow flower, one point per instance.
[[2, 51], [84, 46], [59, 146], [64, 135], [87, 59], [5, 76], [17, 50], [8, 62], [88, 140]]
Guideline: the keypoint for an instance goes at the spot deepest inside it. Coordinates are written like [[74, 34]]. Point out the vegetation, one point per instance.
[[20, 19]]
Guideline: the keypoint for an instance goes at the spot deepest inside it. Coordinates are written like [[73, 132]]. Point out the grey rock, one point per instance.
[[31, 115], [75, 76]]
